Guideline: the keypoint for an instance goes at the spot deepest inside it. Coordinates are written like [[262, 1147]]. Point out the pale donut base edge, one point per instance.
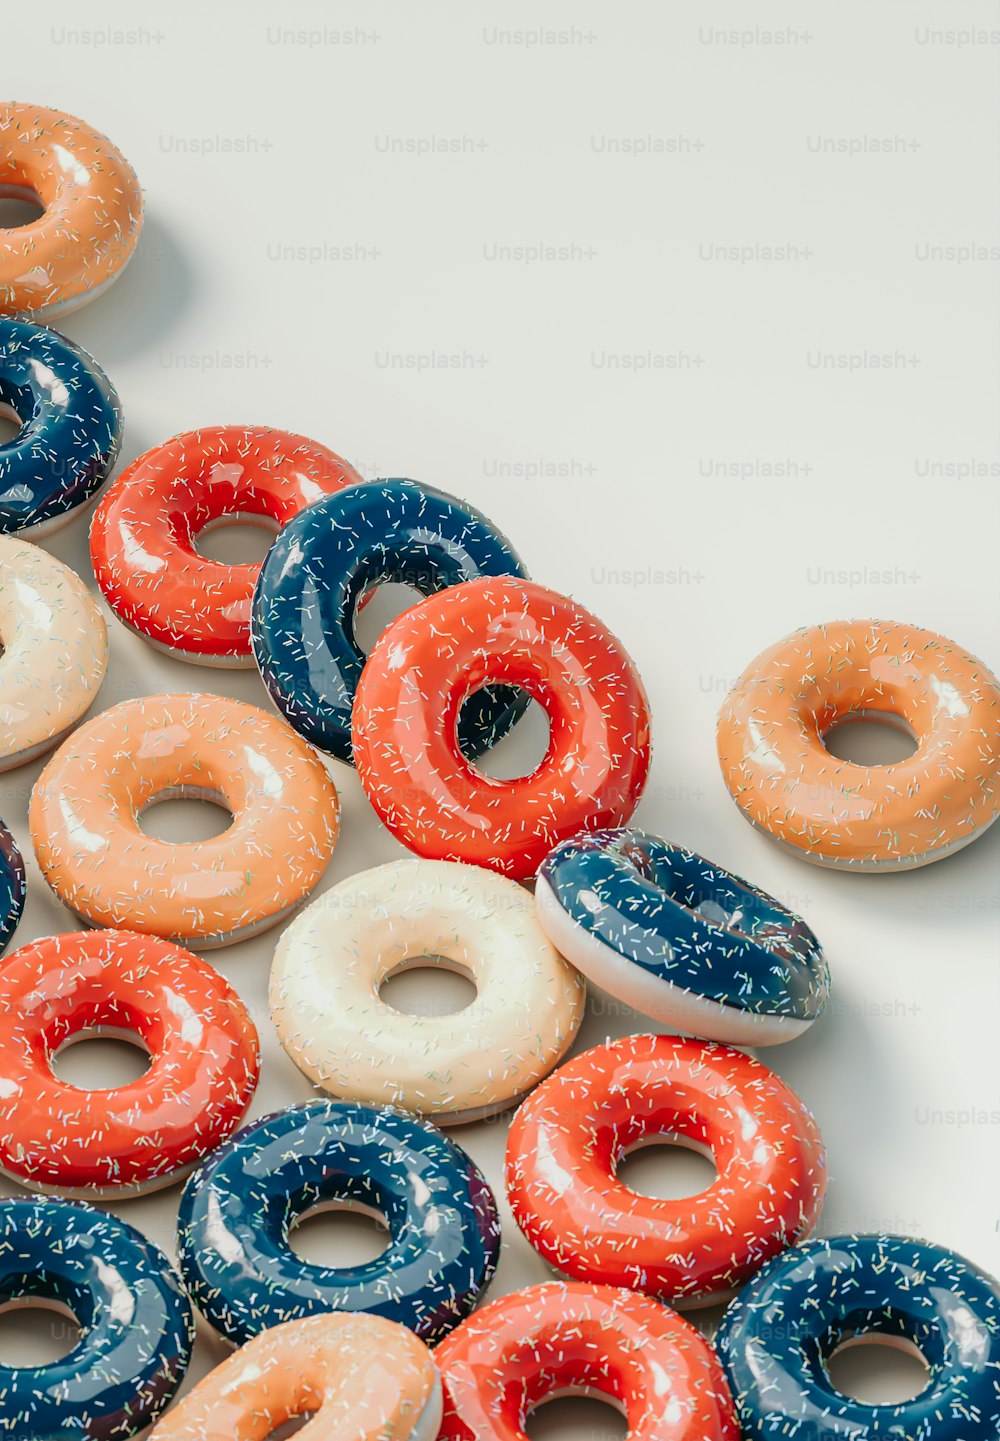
[[33, 753], [196, 943], [109, 1194], [867, 867], [681, 1304], [428, 1423], [443, 1119], [135, 1188], [660, 1000], [45, 314], [192, 657]]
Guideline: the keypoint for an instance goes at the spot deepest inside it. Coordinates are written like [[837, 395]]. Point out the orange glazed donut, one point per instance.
[[92, 204], [365, 1378], [854, 817], [86, 805]]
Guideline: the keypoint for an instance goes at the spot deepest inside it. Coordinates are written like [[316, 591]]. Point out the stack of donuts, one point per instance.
[[534, 888]]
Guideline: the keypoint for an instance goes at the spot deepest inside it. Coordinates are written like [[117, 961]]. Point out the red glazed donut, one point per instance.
[[530, 1347], [203, 1070], [568, 1138], [142, 535], [499, 631]]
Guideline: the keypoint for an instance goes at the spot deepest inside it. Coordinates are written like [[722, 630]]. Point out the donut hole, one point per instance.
[[878, 1370], [339, 1235], [291, 1427], [377, 607], [236, 538], [428, 986], [870, 738], [521, 751], [573, 1415], [19, 206], [667, 1167], [711, 910], [185, 815], [101, 1058], [11, 424], [36, 1332]]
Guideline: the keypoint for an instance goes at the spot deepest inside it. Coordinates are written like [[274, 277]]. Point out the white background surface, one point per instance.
[[301, 261]]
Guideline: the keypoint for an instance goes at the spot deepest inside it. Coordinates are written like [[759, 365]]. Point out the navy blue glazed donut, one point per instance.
[[778, 1334], [136, 1325], [319, 569], [681, 939], [12, 886], [238, 1209], [71, 426]]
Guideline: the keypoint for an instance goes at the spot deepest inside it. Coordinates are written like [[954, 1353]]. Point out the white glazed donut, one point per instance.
[[333, 960], [55, 652]]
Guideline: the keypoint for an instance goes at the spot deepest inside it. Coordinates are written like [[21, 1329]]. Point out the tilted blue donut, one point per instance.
[[320, 567], [71, 426], [136, 1325], [778, 1334], [12, 886], [237, 1211], [680, 938]]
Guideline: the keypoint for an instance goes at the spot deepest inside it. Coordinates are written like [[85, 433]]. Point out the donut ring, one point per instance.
[[779, 1333], [92, 204], [86, 804], [554, 1340], [112, 1144], [136, 1324], [70, 427], [567, 1140], [322, 566], [680, 939], [55, 652], [365, 1379], [853, 817], [509, 632], [238, 1209], [332, 961], [142, 537], [13, 885]]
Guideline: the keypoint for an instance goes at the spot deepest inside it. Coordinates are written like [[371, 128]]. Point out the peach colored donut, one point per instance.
[[854, 817], [55, 652], [331, 963], [86, 804], [92, 204], [364, 1378]]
